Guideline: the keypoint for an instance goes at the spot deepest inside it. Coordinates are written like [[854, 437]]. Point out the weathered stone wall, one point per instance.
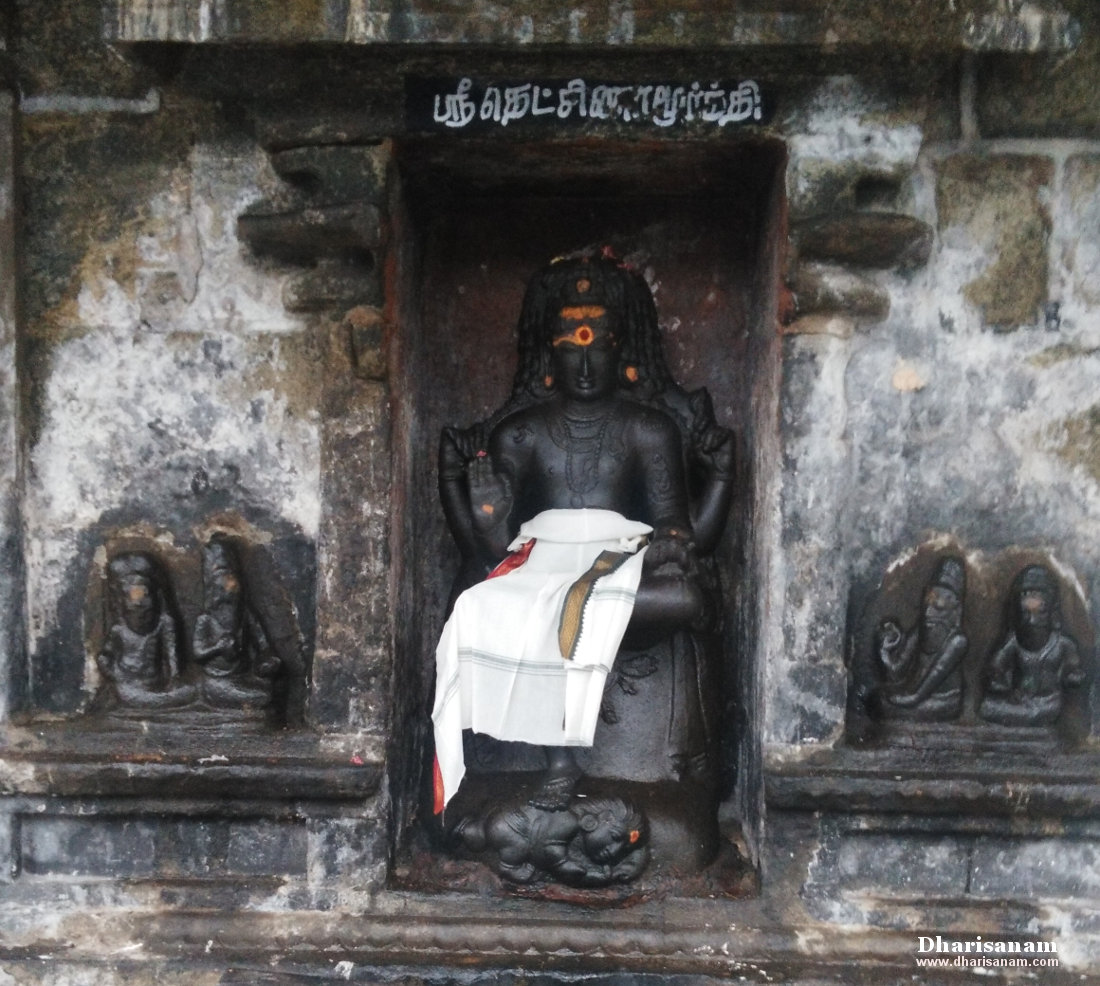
[[960, 404], [206, 255]]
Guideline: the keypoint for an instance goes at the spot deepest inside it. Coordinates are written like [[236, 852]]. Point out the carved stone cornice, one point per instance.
[[68, 760], [962, 25]]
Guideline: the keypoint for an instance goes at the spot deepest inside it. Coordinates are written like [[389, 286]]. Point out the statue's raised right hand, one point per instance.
[[889, 634], [458, 447], [490, 493]]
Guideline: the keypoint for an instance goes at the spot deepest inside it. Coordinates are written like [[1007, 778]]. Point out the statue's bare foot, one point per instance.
[[555, 792]]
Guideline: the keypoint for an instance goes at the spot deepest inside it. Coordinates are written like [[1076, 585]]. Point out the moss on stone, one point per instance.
[[1082, 442], [1047, 96], [1060, 353], [999, 201]]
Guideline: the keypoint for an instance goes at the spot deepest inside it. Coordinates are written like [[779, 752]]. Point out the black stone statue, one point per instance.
[[140, 659], [231, 646], [598, 493], [1027, 676], [596, 842], [921, 669]]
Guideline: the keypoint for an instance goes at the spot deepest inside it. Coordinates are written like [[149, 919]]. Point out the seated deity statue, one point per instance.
[[922, 669], [230, 644], [1027, 676], [587, 506], [140, 659]]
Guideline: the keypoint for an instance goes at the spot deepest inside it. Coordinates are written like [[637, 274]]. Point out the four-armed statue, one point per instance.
[[586, 510]]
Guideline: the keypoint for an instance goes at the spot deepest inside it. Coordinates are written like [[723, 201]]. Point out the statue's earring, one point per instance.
[[631, 373], [548, 381]]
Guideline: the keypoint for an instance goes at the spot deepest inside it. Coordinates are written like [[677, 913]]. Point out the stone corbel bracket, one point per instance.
[[976, 25], [331, 223], [827, 290]]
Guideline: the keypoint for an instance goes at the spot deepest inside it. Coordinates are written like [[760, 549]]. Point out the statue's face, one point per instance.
[[1036, 610], [586, 353], [611, 839], [137, 603], [941, 606], [223, 587]]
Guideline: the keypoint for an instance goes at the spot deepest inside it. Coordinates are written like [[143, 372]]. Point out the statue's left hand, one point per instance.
[[714, 448], [711, 444], [670, 548]]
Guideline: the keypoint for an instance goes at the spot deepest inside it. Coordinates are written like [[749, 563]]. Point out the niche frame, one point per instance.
[[471, 220]]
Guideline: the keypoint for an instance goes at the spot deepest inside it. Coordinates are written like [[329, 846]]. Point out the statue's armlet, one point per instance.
[[661, 460]]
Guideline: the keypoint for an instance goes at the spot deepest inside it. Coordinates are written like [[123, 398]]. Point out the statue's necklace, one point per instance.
[[581, 439]]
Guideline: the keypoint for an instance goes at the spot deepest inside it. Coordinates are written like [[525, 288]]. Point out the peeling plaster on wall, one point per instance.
[[1018, 25], [186, 373], [192, 274], [176, 412], [978, 451], [837, 127], [801, 681], [1077, 234], [948, 426]]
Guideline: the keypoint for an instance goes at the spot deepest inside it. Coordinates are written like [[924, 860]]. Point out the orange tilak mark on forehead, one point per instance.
[[577, 312], [635, 835]]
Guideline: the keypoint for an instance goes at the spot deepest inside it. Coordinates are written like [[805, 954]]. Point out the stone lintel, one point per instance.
[[974, 25]]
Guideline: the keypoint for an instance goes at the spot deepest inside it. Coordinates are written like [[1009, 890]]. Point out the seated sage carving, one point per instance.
[[140, 660], [232, 673], [1027, 676], [921, 668], [593, 499], [231, 647]]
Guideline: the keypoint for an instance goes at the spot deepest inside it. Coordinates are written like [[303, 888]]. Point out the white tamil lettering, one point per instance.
[[662, 105], [458, 107], [517, 101], [573, 96], [490, 104]]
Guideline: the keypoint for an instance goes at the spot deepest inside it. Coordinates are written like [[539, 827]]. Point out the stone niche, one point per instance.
[[258, 217], [704, 224]]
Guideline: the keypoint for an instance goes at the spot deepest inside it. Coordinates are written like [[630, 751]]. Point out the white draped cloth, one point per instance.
[[499, 666]]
